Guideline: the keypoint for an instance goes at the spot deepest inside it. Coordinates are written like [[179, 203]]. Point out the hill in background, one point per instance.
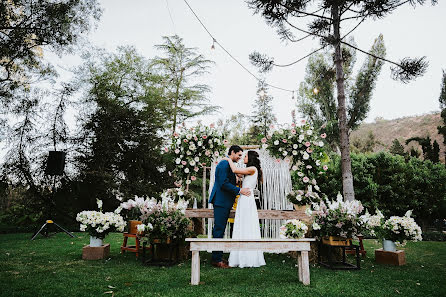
[[385, 131]]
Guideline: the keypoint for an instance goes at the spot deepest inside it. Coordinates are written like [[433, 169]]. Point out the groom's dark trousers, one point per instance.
[[222, 197]]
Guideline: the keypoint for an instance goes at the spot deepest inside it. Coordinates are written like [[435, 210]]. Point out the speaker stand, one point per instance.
[[44, 229]]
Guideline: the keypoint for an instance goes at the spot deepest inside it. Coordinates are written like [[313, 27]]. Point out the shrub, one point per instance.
[[393, 185]]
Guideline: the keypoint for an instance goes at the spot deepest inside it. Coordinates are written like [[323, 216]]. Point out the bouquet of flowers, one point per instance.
[[196, 147], [99, 224], [164, 220], [293, 229], [303, 149], [338, 218], [136, 209]]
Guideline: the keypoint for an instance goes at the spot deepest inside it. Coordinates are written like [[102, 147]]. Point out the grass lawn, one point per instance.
[[53, 267]]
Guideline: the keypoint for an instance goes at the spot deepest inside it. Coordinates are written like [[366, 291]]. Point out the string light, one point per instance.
[[292, 96], [315, 91], [213, 44]]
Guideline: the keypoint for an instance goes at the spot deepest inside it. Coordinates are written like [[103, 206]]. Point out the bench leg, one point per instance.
[[299, 264], [195, 269], [305, 268]]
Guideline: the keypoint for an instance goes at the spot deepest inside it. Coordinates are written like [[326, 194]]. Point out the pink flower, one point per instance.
[[225, 141], [284, 140], [207, 153], [278, 160], [196, 138], [196, 169], [269, 136], [193, 178], [177, 151], [293, 131], [264, 140], [186, 141], [307, 144], [166, 149], [212, 125], [303, 121], [183, 162], [309, 150], [205, 136], [176, 134], [323, 135], [305, 179], [203, 164], [217, 154], [271, 126], [325, 167], [293, 125]]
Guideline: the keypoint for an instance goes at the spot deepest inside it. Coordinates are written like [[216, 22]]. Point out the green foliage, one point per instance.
[[359, 145], [263, 116], [167, 225], [121, 141], [316, 96], [430, 151], [27, 27], [397, 148], [393, 185], [180, 67]]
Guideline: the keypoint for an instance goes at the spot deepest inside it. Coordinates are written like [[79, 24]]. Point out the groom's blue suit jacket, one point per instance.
[[224, 190]]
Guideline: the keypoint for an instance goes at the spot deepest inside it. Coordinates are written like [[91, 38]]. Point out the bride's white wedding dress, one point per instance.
[[246, 226]]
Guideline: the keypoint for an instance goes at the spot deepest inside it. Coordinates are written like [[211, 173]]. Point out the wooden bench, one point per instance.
[[265, 245]]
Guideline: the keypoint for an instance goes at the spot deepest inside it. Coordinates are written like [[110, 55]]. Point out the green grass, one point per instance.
[[53, 267]]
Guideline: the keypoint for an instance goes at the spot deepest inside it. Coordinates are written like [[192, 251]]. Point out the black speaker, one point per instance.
[[56, 163]]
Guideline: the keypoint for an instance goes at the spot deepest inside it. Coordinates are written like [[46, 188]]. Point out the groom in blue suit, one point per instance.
[[222, 197]]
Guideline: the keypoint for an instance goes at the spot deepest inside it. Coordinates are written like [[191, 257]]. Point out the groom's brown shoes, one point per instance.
[[220, 264]]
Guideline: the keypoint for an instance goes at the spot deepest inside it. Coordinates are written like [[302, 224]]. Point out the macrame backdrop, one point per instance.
[[276, 185]]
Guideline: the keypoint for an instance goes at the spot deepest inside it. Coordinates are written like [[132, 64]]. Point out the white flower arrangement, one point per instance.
[[99, 224], [293, 229]]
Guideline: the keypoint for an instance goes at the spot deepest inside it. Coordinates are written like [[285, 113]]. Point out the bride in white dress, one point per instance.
[[246, 223]]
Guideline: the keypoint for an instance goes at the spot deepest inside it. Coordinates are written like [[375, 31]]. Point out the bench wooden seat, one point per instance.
[[267, 245]]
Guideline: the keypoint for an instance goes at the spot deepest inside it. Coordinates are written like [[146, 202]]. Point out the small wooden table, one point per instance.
[[265, 245]]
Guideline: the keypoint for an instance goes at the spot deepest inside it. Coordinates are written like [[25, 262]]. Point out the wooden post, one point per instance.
[[195, 268], [305, 268], [299, 264]]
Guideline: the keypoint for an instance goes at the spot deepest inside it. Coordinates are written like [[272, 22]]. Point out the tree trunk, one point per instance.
[[346, 166]]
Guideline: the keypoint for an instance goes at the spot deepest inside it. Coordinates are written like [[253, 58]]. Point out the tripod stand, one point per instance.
[[60, 157], [44, 229]]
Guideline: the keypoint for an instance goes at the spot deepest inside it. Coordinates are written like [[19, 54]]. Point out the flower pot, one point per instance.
[[95, 242], [133, 226], [336, 241], [389, 246]]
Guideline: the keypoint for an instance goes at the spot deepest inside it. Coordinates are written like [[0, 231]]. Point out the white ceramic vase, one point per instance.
[[389, 246], [95, 242]]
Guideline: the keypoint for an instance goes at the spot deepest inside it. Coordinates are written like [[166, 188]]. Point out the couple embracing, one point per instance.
[[246, 223]]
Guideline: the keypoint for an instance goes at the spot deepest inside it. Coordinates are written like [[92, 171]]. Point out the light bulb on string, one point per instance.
[[292, 96], [316, 91], [213, 44]]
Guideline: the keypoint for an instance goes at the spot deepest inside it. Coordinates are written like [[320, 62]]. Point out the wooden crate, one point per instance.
[[95, 253], [397, 258]]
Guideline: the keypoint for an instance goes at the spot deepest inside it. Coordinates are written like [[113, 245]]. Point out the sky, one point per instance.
[[408, 32]]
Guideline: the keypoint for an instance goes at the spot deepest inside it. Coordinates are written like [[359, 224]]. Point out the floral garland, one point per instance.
[[196, 147], [300, 146]]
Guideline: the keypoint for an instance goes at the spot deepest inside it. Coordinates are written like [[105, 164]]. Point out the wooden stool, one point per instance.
[[130, 248], [361, 248]]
